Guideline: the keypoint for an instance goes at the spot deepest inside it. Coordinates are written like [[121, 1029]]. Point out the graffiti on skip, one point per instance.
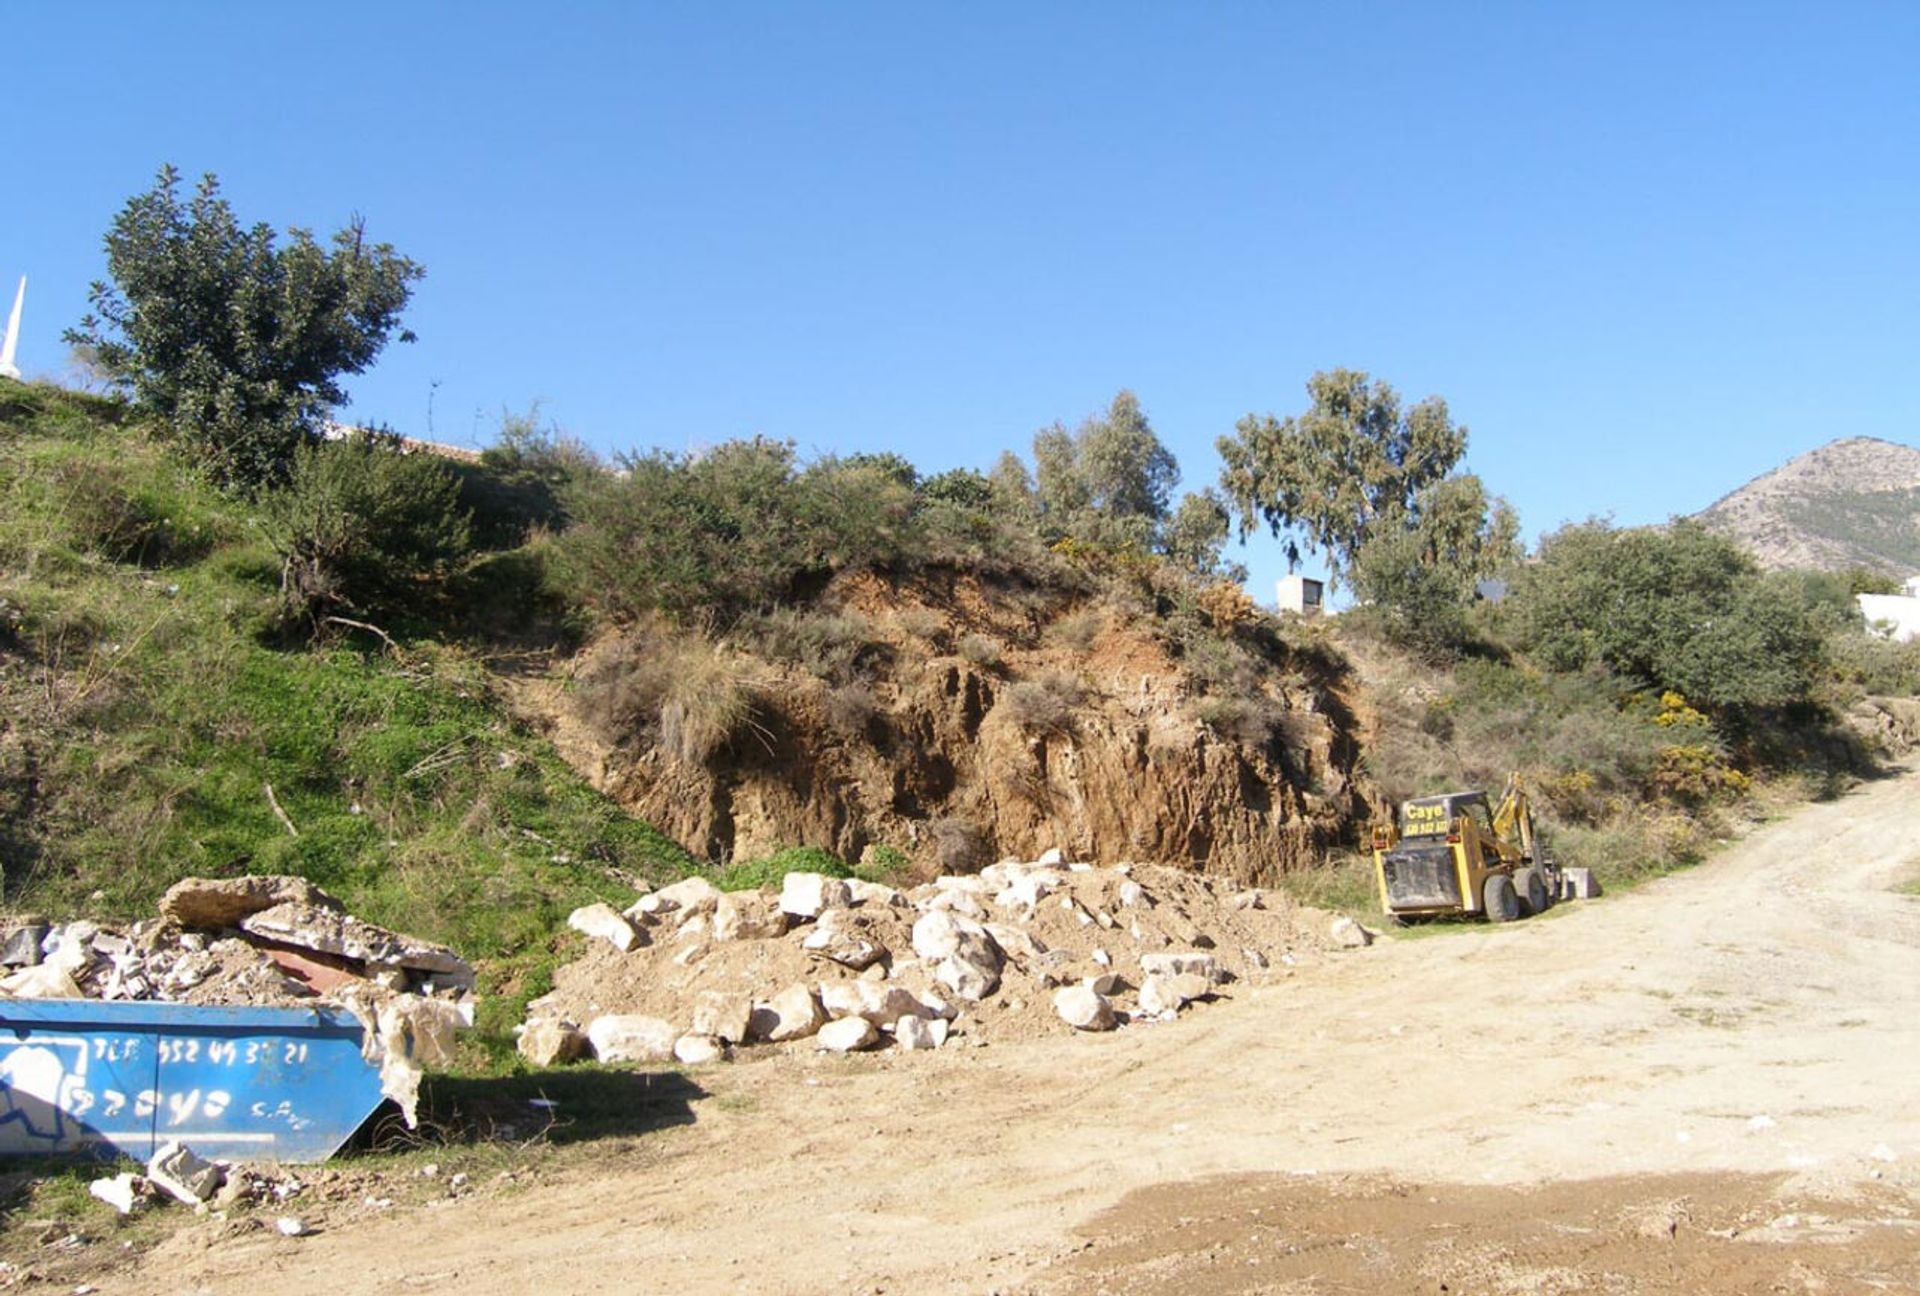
[[54, 1089]]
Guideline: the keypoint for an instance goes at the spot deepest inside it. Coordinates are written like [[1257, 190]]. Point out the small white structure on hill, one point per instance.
[[1302, 595], [11, 342], [1896, 616]]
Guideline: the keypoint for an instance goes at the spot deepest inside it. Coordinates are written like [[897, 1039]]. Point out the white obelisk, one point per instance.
[[11, 343]]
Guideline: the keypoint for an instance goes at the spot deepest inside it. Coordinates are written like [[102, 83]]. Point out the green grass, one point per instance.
[[145, 708]]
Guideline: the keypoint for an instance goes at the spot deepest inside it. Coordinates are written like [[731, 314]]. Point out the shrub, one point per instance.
[[363, 526], [735, 530], [1077, 630], [520, 485], [1249, 720], [983, 651], [1046, 704], [828, 644], [674, 689]]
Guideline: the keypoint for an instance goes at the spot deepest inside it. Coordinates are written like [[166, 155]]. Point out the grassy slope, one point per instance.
[[143, 712]]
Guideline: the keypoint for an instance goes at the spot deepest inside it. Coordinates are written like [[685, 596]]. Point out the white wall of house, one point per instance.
[[1895, 615]]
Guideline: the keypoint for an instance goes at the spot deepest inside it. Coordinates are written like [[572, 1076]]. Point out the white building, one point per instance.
[[1302, 595], [1896, 616]]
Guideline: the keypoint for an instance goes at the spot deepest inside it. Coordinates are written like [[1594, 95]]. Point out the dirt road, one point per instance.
[[1712, 1084]]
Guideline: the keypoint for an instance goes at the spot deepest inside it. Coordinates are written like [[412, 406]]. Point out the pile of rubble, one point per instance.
[[273, 941], [690, 973]]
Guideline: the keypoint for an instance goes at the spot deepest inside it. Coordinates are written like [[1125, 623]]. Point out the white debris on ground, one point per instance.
[[272, 941], [691, 973]]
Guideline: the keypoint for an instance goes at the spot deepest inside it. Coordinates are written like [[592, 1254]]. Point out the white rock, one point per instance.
[[698, 1050], [291, 1226], [790, 1015], [1050, 856], [1107, 983], [694, 927], [1083, 1009], [724, 1016], [808, 895], [970, 883], [179, 1171], [1177, 963], [1169, 994], [1132, 894], [936, 934], [848, 1035], [122, 1192], [603, 922], [1345, 933], [1249, 899], [747, 915], [631, 1037], [862, 892], [964, 903], [834, 937], [968, 980], [912, 1033], [689, 896], [548, 1042], [1103, 958]]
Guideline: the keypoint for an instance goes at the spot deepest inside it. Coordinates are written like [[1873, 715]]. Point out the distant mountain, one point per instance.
[[1851, 503]]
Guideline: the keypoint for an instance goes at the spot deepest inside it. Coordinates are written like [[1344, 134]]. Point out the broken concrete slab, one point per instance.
[[42, 982], [184, 1174], [213, 903], [331, 931], [631, 1037]]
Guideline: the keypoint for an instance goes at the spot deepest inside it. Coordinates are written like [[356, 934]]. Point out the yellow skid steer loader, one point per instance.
[[1457, 854]]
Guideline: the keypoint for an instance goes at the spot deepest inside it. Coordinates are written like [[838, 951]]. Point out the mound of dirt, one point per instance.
[[1037, 928]]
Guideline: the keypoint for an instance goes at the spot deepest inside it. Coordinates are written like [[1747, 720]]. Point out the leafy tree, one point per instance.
[[236, 339], [1196, 534], [959, 487], [1419, 571], [1675, 608], [1354, 457], [1107, 482]]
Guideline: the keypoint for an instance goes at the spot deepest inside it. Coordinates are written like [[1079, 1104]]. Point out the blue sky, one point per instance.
[[1646, 251]]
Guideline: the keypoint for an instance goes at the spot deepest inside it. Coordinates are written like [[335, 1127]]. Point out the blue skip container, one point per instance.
[[84, 1076]]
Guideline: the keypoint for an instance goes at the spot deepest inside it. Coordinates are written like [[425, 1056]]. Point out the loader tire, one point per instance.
[[1531, 886], [1501, 901]]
